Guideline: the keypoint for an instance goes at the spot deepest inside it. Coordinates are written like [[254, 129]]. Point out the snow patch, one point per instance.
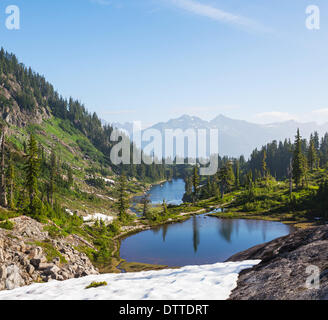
[[98, 216], [70, 212], [205, 282], [108, 180]]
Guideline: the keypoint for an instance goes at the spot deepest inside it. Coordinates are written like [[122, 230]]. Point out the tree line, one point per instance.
[[283, 160]]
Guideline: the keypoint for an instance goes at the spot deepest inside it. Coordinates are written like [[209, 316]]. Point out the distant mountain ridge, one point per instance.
[[238, 137]]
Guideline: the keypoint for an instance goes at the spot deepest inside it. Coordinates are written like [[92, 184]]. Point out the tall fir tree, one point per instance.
[[32, 169], [53, 177], [123, 202], [312, 154], [316, 141], [264, 165], [226, 178], [195, 184], [165, 210], [3, 187], [237, 173], [145, 201], [299, 162], [11, 183]]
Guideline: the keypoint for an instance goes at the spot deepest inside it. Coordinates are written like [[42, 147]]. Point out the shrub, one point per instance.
[[8, 225]]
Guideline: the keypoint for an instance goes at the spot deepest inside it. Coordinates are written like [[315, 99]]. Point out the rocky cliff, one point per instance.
[[282, 274], [11, 110], [28, 254]]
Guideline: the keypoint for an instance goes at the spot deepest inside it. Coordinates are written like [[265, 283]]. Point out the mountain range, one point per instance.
[[237, 137]]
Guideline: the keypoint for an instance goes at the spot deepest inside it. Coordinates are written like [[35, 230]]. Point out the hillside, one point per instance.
[[56, 169]]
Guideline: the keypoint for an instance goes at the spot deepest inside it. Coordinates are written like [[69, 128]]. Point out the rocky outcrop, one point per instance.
[[288, 264], [28, 254], [10, 110]]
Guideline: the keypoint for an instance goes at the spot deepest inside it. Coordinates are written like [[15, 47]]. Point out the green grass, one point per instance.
[[271, 200], [138, 266]]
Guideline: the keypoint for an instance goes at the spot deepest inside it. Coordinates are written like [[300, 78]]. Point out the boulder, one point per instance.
[[14, 279], [287, 265], [23, 261]]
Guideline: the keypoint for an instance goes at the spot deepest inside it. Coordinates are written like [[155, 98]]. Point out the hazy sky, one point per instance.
[[152, 60]]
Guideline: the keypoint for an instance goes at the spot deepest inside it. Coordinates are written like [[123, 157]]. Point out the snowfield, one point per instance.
[[206, 282]]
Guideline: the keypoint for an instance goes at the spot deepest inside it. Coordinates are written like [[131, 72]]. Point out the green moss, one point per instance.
[[96, 284]]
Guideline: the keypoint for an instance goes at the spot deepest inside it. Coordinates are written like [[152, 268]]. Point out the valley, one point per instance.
[[68, 211]]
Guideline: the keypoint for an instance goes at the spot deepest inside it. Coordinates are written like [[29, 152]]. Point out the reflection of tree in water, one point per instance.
[[253, 225], [264, 231], [256, 225], [156, 230], [165, 228], [226, 228], [196, 239]]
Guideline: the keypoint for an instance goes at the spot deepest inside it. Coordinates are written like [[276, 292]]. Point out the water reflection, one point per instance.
[[226, 228], [164, 228], [196, 238], [199, 240]]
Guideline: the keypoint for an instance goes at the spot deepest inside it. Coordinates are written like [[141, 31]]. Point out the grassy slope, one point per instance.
[[73, 148]]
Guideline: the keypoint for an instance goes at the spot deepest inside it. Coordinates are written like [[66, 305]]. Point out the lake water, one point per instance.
[[172, 192], [199, 240]]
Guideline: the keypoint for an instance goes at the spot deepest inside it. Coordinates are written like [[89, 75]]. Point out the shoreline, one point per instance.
[[246, 216], [183, 216]]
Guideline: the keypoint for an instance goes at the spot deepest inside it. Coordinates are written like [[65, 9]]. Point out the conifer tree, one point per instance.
[[226, 178], [209, 190], [146, 210], [53, 177], [264, 164], [123, 202], [312, 154], [195, 184], [188, 185], [316, 141], [11, 183], [290, 176], [237, 174], [165, 210], [299, 163], [3, 188], [32, 173]]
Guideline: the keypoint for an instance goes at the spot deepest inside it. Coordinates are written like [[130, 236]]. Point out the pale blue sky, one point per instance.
[[152, 60]]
